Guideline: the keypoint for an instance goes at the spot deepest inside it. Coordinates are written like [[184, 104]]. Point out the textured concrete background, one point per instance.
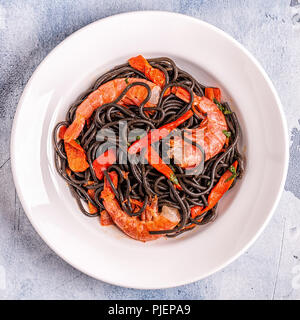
[[270, 29]]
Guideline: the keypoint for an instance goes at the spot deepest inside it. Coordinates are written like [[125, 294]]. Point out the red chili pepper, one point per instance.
[[76, 157], [195, 211], [104, 161], [91, 193], [157, 134], [136, 202], [156, 162], [75, 153], [227, 142], [62, 131], [209, 93], [219, 189], [141, 64], [213, 93]]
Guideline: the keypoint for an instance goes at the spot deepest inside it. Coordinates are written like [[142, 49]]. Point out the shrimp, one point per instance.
[[209, 135], [135, 227], [185, 154], [107, 93]]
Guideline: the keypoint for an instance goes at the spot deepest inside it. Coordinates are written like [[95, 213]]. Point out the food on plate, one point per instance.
[[149, 149]]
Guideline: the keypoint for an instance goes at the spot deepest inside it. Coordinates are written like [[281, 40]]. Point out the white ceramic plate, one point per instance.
[[104, 252]]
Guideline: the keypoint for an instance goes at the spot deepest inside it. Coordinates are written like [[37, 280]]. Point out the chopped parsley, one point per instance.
[[77, 141], [126, 80], [227, 133], [139, 137], [221, 107], [218, 104]]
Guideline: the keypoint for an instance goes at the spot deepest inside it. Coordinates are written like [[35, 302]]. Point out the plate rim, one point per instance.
[[266, 79]]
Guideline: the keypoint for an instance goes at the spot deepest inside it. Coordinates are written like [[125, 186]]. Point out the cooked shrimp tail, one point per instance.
[[133, 226]]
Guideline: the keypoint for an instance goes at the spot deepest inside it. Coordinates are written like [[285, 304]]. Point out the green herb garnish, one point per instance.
[[173, 169], [218, 104], [174, 179], [77, 141], [126, 80], [227, 133], [221, 107], [233, 171], [140, 136]]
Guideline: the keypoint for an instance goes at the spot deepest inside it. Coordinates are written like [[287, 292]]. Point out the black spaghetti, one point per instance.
[[143, 182]]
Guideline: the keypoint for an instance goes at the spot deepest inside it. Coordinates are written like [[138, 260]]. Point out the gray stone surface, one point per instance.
[[270, 29]]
